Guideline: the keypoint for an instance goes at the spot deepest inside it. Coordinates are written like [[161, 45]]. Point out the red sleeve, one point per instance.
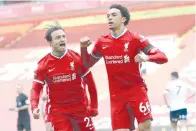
[[90, 59], [88, 79], [35, 95], [155, 55], [37, 86], [96, 52], [143, 44], [39, 74], [82, 70]]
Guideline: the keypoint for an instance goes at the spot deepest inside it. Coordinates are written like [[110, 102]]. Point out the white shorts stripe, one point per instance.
[[83, 75], [38, 81]]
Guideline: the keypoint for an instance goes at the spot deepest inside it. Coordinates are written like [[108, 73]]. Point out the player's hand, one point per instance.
[[85, 42], [36, 113], [44, 97], [93, 112], [141, 57]]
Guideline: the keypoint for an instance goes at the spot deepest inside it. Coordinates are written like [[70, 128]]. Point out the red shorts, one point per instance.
[[61, 122], [130, 106]]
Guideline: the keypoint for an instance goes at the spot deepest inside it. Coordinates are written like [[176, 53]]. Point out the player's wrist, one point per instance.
[[84, 47], [149, 58]]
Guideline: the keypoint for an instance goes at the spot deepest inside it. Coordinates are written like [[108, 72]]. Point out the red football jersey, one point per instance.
[[63, 78], [118, 53]]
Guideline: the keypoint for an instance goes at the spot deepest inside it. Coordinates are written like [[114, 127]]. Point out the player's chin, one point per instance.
[[62, 49], [111, 27]]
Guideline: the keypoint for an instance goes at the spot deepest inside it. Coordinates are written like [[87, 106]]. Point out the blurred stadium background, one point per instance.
[[169, 25]]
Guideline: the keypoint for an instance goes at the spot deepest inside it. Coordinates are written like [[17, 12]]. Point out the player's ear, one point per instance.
[[123, 19], [50, 43]]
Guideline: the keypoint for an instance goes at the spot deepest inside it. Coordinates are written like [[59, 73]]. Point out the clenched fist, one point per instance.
[[85, 42], [141, 57], [36, 113]]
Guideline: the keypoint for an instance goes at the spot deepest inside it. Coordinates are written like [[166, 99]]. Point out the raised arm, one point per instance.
[[89, 60]]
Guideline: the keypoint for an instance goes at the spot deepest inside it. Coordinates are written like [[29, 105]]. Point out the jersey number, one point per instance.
[[179, 87], [88, 125], [144, 108]]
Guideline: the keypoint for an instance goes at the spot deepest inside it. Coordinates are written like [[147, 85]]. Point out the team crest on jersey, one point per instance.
[[126, 47], [72, 67]]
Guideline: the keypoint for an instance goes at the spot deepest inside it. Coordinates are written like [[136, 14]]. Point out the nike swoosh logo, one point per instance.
[[104, 47], [50, 70]]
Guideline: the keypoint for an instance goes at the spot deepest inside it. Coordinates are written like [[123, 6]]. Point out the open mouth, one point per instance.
[[110, 23], [62, 44]]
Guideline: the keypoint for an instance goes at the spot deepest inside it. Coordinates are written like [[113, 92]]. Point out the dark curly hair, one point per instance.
[[123, 10]]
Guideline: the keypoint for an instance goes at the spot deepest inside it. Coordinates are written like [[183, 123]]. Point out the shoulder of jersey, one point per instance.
[[138, 36], [74, 54], [135, 35], [105, 36], [44, 59]]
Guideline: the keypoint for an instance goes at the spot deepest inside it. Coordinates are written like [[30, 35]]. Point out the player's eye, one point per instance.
[[113, 14], [108, 16], [58, 37]]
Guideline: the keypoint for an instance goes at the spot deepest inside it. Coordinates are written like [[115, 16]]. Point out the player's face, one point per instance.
[[19, 89], [59, 41], [115, 19]]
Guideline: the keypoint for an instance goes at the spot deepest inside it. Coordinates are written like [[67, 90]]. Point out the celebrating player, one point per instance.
[[123, 52], [62, 71]]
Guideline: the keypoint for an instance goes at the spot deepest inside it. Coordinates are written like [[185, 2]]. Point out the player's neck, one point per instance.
[[58, 54], [118, 31]]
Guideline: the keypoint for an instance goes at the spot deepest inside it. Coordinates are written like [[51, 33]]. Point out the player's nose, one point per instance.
[[63, 39], [110, 18]]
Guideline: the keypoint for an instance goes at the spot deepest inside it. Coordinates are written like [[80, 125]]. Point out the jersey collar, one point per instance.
[[59, 57], [120, 34]]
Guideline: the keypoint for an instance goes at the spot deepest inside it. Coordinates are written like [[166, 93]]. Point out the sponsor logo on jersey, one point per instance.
[[121, 59], [64, 78], [126, 59]]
